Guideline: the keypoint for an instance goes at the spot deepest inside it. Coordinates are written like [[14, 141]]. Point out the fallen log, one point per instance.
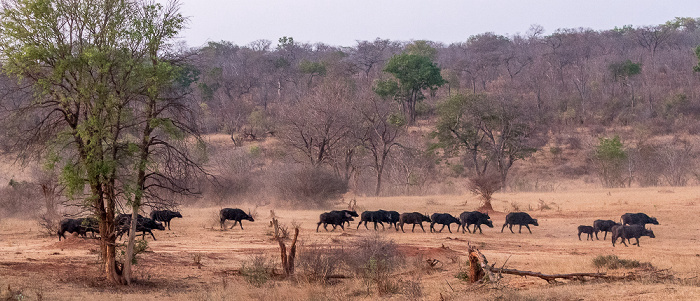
[[552, 277]]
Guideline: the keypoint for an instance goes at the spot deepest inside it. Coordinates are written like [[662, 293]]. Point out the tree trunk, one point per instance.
[[130, 245]]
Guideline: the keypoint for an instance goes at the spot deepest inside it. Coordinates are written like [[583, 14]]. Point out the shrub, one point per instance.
[[613, 262], [310, 187], [317, 263], [373, 258], [256, 272]]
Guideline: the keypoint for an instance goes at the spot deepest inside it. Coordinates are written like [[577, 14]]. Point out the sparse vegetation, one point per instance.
[[613, 262]]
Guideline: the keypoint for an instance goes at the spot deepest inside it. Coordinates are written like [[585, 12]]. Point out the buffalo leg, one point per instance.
[[528, 228], [318, 225], [511, 228], [606, 235], [414, 228], [154, 237], [421, 226], [443, 227], [240, 223], [448, 228], [401, 228], [504, 226], [234, 224], [579, 236]]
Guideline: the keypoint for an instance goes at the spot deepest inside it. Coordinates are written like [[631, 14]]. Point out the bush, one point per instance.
[[309, 187], [373, 259], [316, 263], [256, 272], [20, 198], [613, 262]]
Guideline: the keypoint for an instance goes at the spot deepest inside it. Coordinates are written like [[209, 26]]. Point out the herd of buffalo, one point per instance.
[[632, 224]]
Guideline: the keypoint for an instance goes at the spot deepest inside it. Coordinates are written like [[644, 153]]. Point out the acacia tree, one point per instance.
[[490, 129], [414, 73], [104, 88]]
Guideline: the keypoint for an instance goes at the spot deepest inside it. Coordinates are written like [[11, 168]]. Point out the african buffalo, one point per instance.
[[445, 219], [628, 232], [603, 226], [235, 214], [638, 219], [165, 216], [412, 218], [519, 218], [335, 218], [475, 218], [585, 229]]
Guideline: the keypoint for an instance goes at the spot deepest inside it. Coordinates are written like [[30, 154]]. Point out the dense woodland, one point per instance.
[[615, 108]]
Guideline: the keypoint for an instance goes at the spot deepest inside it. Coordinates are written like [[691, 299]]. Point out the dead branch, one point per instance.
[[552, 277], [478, 267], [287, 259]]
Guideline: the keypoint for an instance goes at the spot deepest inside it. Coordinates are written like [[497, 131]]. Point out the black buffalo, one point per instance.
[[475, 218], [351, 213], [412, 218], [585, 229], [235, 214], [603, 226], [444, 219], [164, 216], [143, 224], [335, 218], [629, 232], [71, 225], [91, 224], [394, 219], [638, 219], [521, 219], [379, 216]]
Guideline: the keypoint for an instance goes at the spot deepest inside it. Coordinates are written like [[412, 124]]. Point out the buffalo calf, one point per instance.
[[600, 225], [335, 218], [585, 229]]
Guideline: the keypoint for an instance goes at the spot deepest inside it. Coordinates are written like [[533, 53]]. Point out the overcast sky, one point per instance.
[[342, 23]]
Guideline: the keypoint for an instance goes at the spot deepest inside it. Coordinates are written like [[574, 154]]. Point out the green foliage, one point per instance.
[[422, 48], [140, 247], [315, 68], [625, 69], [610, 158], [610, 149], [386, 88], [414, 72]]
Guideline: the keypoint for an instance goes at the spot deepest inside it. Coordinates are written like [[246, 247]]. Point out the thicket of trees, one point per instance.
[[491, 100], [389, 117]]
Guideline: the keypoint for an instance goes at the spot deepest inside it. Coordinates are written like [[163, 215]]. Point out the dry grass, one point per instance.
[[197, 260]]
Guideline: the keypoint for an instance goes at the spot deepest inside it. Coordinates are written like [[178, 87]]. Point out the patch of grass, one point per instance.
[[613, 262]]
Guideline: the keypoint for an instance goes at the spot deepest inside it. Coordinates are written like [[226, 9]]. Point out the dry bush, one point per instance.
[[485, 187], [613, 262], [373, 258], [309, 187], [20, 198], [257, 271], [316, 263]]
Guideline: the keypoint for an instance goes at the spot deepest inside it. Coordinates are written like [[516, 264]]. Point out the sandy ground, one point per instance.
[[41, 267]]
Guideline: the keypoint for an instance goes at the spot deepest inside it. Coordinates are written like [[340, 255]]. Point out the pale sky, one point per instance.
[[342, 23]]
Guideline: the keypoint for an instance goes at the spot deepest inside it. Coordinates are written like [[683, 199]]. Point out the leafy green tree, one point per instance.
[[108, 93], [413, 74], [610, 158]]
